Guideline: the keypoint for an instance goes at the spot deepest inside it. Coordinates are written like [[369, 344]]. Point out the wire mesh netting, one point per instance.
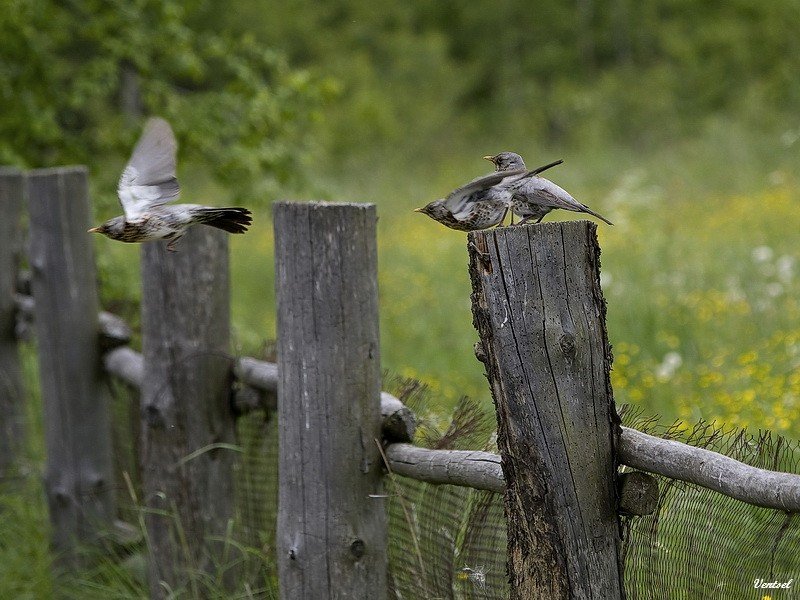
[[449, 542], [701, 544]]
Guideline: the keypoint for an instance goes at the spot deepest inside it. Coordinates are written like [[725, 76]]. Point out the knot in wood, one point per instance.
[[153, 416], [61, 498], [97, 484], [567, 343], [357, 548]]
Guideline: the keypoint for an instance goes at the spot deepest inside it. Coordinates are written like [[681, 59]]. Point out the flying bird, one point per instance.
[[148, 183], [534, 197], [481, 203]]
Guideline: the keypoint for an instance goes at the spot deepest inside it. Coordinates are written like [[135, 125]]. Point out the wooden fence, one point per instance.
[[540, 314]]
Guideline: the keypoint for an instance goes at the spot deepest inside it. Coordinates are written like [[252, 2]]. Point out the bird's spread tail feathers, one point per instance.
[[232, 220]]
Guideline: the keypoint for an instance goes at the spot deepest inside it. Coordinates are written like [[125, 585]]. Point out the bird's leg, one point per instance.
[[503, 218], [523, 221], [512, 218], [539, 220]]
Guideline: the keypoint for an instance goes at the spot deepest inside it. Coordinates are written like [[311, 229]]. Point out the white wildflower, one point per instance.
[[785, 268], [762, 254], [669, 364], [774, 289], [476, 576]]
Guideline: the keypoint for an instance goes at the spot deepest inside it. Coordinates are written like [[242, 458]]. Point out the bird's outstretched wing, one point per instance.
[[459, 201], [538, 170], [149, 177]]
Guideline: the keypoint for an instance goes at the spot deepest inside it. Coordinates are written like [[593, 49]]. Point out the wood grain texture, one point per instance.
[[331, 533], [78, 471], [398, 422], [469, 468], [186, 420], [12, 182], [637, 492], [540, 313]]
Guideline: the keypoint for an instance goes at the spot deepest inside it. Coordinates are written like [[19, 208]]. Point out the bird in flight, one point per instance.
[[533, 197], [148, 183], [481, 203]]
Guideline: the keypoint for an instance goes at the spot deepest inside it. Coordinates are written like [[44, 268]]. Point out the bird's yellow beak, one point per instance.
[[419, 209], [94, 230], [489, 158]]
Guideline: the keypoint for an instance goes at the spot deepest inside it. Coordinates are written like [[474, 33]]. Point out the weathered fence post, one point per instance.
[[12, 183], [186, 460], [78, 478], [540, 313], [331, 539]]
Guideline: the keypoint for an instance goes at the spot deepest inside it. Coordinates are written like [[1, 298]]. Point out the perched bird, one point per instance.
[[148, 183], [534, 197], [481, 203]]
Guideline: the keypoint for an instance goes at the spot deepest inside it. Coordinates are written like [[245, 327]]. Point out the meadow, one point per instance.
[[701, 273]]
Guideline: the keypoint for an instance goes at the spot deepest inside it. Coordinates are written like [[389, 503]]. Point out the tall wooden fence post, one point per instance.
[[78, 473], [540, 313], [187, 423], [331, 535], [12, 183]]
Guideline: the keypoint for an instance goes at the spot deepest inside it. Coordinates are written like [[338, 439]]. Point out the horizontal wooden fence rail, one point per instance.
[[670, 458], [468, 468], [712, 470]]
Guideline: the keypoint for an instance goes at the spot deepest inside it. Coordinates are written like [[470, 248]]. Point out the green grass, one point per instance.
[[701, 268]]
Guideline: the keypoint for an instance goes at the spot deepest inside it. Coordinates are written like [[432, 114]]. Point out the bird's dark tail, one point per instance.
[[594, 214], [232, 220]]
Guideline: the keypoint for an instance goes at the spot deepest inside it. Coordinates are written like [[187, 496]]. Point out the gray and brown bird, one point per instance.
[[481, 203], [148, 183], [533, 197]]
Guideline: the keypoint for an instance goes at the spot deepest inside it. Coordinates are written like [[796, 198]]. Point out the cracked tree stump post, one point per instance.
[[79, 481], [331, 539], [540, 314], [12, 198], [187, 422]]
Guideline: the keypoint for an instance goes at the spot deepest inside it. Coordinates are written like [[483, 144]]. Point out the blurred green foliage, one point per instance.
[[566, 72], [76, 77]]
